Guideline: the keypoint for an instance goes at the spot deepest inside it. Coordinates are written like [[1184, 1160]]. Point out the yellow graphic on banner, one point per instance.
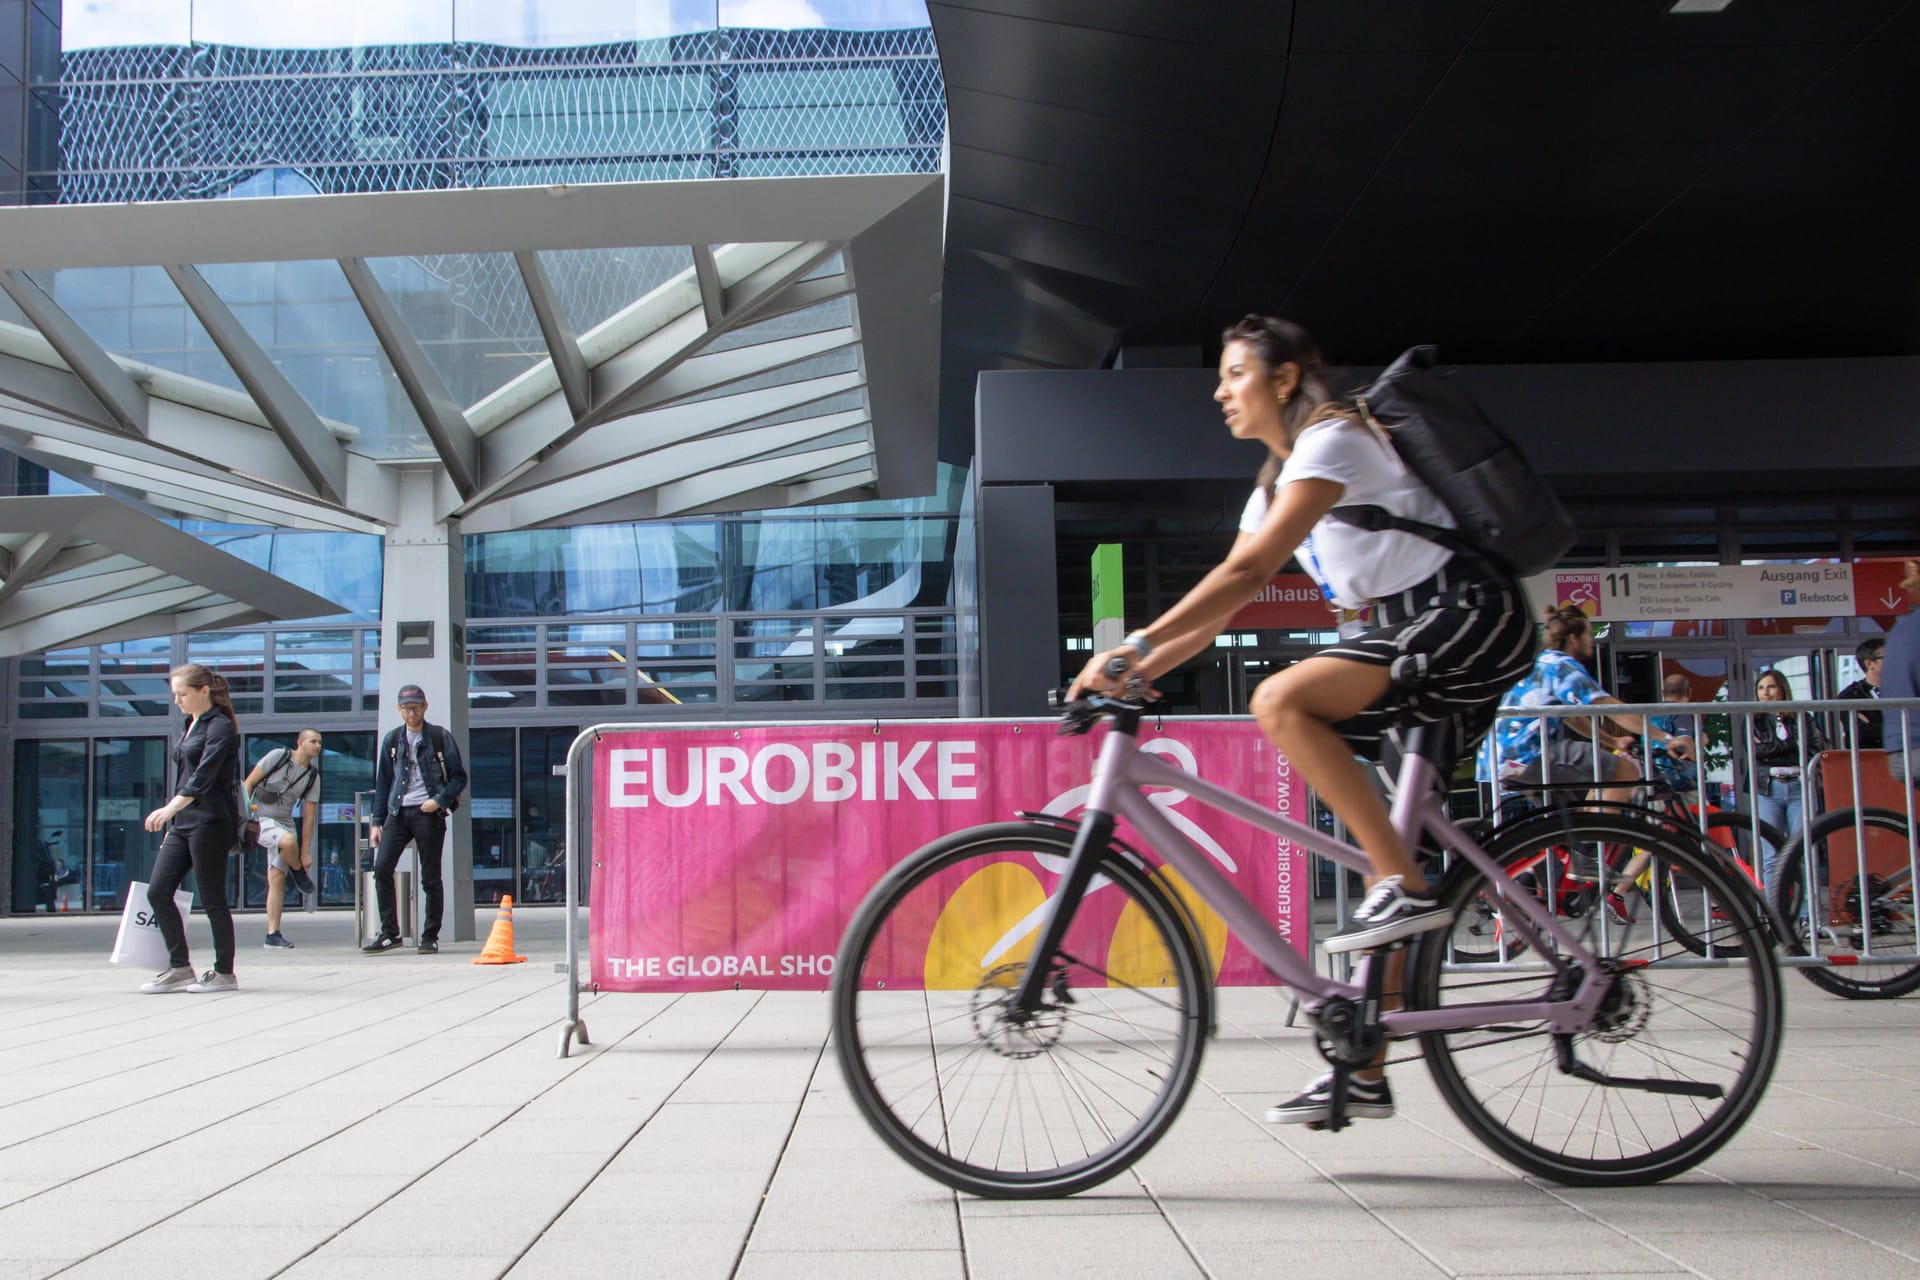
[[991, 920], [1138, 958], [974, 924]]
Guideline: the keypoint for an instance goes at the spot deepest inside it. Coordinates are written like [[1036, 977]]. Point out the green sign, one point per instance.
[[1109, 584]]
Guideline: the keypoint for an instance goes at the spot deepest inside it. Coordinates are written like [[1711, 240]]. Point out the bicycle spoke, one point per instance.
[[1665, 1018]]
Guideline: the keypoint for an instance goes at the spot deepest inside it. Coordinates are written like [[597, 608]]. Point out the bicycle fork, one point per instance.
[[1094, 833]]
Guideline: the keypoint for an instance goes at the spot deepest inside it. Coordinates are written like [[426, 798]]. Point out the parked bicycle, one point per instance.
[[1565, 882], [1045, 1059], [1854, 911]]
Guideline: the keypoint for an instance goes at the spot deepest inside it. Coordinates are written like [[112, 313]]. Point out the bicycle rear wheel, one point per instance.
[[1850, 924], [945, 1069], [1689, 908], [1679, 1051]]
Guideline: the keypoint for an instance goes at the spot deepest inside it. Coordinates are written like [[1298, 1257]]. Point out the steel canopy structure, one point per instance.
[[90, 569], [793, 361]]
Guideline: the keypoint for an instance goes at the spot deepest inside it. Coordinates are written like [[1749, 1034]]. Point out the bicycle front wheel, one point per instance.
[[961, 1084], [1854, 912], [1678, 1053]]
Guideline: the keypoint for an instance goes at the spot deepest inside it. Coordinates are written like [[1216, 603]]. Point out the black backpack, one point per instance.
[[1508, 515], [437, 739]]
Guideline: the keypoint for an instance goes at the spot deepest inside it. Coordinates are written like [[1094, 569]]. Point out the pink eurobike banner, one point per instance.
[[735, 856]]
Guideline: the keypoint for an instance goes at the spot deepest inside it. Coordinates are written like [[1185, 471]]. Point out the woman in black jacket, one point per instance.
[[202, 824], [1779, 794]]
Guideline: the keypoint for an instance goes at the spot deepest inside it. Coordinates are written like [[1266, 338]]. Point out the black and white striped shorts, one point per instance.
[[1454, 645]]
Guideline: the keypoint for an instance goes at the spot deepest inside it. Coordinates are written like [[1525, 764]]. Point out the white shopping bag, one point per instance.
[[139, 942]]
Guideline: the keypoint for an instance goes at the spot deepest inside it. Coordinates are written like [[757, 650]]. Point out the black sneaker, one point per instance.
[[300, 879], [381, 942], [275, 940], [1366, 1100], [428, 947], [1388, 914]]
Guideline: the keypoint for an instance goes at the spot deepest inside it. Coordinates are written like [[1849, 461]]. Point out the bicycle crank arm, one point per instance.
[[1685, 1088]]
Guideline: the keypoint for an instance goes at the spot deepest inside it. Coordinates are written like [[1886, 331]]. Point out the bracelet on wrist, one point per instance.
[[1139, 643]]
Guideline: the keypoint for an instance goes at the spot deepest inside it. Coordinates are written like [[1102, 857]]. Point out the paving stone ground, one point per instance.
[[409, 1116]]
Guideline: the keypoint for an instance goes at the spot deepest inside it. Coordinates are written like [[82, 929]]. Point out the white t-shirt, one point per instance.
[[416, 794], [1351, 564]]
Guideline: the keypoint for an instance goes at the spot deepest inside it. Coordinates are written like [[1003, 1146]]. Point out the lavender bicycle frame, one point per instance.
[[1122, 769]]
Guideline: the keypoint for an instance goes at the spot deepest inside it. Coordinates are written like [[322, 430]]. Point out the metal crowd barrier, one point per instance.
[[1864, 773], [1703, 802]]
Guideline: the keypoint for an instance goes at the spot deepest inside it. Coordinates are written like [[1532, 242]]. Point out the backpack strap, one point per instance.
[[1376, 519]]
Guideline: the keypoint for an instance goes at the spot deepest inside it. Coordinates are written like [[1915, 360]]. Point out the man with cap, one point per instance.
[[418, 778]]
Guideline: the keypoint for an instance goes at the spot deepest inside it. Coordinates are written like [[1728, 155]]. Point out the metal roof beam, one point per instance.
[[744, 302], [652, 470], [255, 469], [701, 374], [48, 392], [807, 493], [320, 457], [33, 558], [713, 294], [446, 425], [644, 433], [147, 614], [208, 494], [563, 345], [715, 486], [111, 385], [803, 294]]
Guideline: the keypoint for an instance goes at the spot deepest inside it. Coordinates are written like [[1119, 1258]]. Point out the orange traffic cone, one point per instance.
[[499, 948]]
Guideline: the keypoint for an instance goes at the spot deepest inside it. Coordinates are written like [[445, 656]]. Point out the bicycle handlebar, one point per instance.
[[1078, 716]]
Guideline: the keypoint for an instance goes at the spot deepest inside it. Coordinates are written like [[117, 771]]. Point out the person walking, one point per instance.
[[418, 778], [281, 780], [202, 825]]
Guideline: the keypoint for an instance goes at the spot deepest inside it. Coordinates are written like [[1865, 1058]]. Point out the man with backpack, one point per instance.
[[283, 779], [418, 778]]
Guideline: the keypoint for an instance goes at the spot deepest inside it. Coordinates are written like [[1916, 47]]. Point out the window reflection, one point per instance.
[[495, 839], [49, 826], [129, 782]]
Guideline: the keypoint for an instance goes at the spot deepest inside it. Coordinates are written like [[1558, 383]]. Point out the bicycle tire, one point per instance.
[[1719, 1026], [1686, 904], [1891, 918], [980, 1100]]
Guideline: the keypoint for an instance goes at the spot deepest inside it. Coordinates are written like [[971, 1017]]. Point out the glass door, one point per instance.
[[543, 799], [491, 796], [49, 826], [129, 782]]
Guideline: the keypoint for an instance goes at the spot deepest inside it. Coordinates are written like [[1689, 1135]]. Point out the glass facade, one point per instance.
[[186, 99], [689, 619], [833, 610]]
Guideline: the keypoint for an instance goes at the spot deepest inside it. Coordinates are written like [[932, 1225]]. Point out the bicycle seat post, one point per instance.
[[1423, 763]]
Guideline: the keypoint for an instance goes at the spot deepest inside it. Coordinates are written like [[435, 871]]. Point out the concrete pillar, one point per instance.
[[424, 582]]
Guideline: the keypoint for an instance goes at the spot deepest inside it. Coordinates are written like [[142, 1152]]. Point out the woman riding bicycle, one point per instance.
[[1448, 634]]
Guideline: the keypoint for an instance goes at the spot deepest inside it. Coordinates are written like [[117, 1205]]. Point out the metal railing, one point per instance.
[[1739, 715], [1727, 778]]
